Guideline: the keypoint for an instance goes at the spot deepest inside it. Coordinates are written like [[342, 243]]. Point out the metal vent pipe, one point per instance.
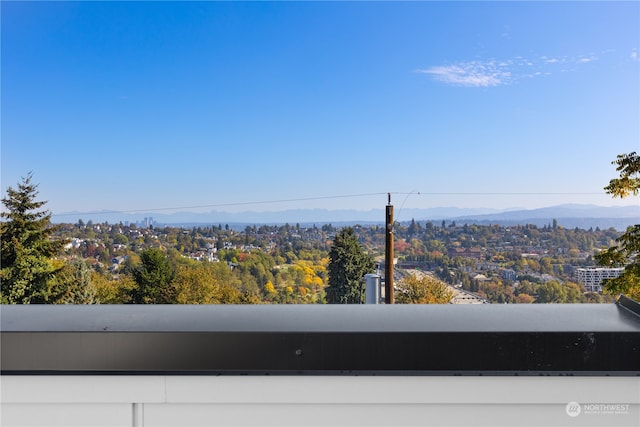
[[372, 291]]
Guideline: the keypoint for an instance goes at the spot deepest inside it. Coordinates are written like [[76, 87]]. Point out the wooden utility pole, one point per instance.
[[388, 255]]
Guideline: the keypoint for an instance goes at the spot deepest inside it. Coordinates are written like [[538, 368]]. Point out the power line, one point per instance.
[[220, 205], [419, 193], [343, 196]]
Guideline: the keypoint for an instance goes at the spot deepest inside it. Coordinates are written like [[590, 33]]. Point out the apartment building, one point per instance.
[[592, 277]]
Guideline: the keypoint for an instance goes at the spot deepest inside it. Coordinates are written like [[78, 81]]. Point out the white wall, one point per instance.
[[317, 401]]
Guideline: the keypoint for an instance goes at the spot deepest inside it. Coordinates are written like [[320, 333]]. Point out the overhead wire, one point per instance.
[[219, 205], [341, 196]]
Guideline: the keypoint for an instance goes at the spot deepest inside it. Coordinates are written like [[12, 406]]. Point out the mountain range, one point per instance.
[[568, 215]]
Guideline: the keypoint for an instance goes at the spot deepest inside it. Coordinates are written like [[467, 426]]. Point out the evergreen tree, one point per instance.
[[74, 284], [26, 247], [414, 228], [348, 263], [153, 278]]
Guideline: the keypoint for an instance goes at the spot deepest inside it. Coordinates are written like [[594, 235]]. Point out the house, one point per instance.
[[475, 253]]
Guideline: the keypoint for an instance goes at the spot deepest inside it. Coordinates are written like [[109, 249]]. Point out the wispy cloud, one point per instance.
[[634, 55], [472, 74], [490, 73], [585, 59]]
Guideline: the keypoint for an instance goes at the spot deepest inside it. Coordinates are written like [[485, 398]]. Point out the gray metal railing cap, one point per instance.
[[629, 304]]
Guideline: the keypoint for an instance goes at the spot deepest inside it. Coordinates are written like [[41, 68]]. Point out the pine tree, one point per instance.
[[348, 263], [26, 247], [73, 284], [154, 278]]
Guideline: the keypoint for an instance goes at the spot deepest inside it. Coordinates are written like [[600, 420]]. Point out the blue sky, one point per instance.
[[212, 105]]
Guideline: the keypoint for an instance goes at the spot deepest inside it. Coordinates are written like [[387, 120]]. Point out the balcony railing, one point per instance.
[[563, 339]]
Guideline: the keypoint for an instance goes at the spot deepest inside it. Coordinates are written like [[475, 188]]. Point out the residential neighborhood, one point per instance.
[[493, 263]]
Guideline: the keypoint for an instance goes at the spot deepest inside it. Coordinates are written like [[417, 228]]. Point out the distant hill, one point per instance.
[[567, 211], [569, 216]]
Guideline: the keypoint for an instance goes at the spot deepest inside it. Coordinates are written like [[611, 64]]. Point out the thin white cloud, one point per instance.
[[585, 59], [634, 55], [491, 73], [470, 74]]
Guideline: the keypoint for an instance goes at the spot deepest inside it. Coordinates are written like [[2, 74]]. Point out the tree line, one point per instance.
[[34, 268]]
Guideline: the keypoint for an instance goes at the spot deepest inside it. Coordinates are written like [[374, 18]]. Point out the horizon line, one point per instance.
[[492, 210]]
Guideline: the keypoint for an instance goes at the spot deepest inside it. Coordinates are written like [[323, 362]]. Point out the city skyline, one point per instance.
[[246, 106]]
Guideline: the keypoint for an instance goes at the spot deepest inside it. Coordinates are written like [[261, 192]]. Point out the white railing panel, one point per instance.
[[66, 415]]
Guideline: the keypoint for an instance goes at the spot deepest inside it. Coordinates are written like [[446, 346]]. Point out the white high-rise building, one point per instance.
[[592, 277]]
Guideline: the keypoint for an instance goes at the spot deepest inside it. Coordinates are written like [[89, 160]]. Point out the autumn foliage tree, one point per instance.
[[422, 289], [203, 283], [626, 252]]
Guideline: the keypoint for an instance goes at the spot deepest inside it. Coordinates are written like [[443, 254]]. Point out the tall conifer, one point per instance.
[[348, 263], [26, 246]]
